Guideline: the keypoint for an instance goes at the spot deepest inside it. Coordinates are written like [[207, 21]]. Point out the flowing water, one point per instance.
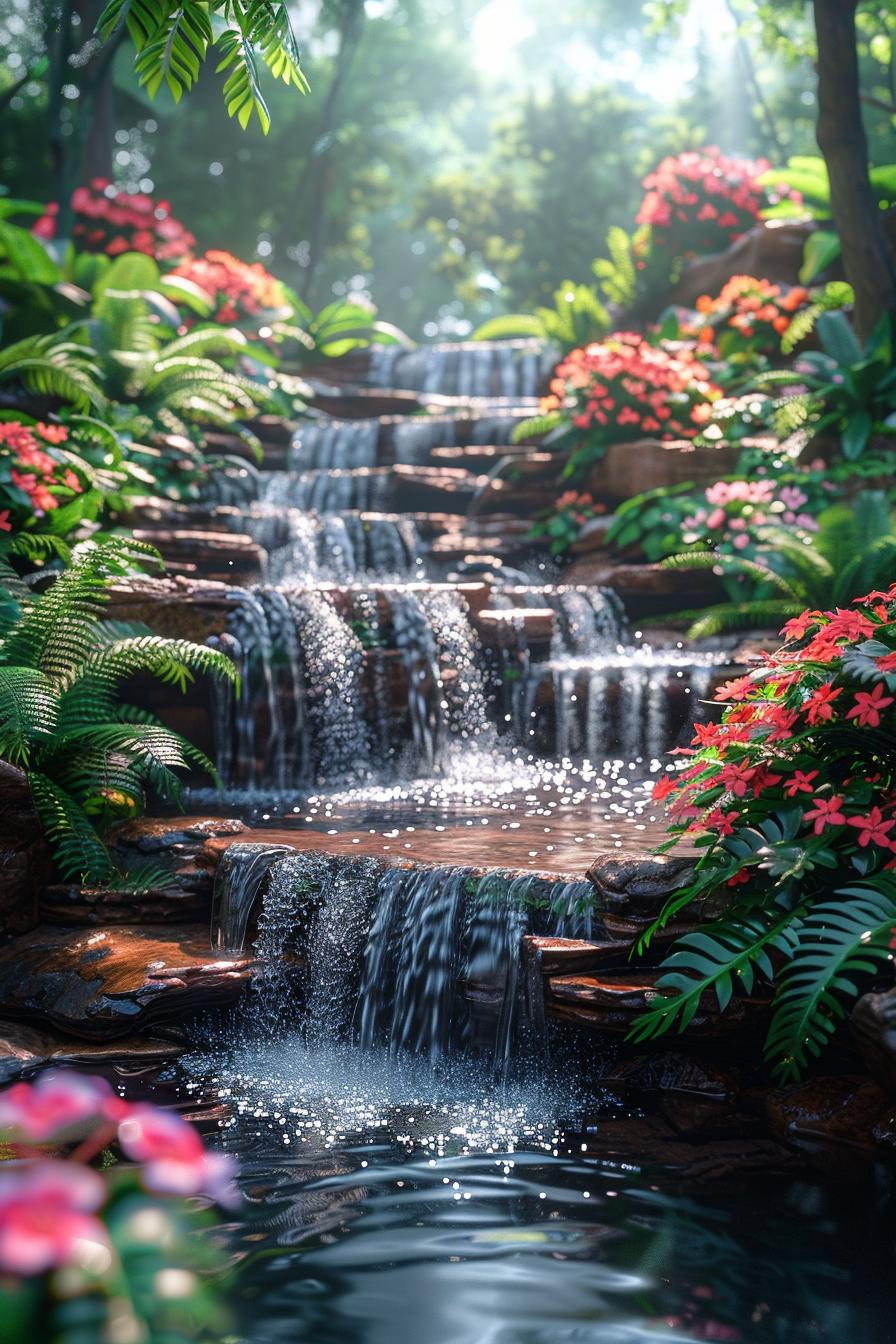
[[425, 1156]]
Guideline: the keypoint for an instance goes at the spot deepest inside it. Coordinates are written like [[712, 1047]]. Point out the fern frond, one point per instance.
[[509, 326], [538, 426], [78, 850], [29, 707], [838, 943]]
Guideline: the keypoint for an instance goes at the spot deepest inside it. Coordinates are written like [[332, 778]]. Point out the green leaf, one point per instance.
[[855, 435], [821, 250]]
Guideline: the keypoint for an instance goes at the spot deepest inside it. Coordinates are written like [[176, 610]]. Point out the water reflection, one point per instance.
[[391, 1201]]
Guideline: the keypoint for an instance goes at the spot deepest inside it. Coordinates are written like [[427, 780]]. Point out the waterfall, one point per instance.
[[320, 445], [241, 871], [411, 960], [335, 547], [513, 370]]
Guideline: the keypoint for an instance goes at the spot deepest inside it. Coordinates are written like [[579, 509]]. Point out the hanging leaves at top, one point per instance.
[[174, 38]]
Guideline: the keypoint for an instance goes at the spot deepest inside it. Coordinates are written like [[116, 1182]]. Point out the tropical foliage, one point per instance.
[[172, 44], [854, 547], [90, 758], [792, 801]]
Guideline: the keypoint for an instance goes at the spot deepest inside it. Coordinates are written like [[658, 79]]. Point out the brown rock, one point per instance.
[[113, 981], [873, 1023], [694, 1096], [651, 1141], [852, 1111], [647, 590], [25, 1049], [637, 887], [628, 469]]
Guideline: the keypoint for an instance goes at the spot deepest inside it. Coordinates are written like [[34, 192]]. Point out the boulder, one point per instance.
[[111, 982], [873, 1023], [628, 469], [844, 1110], [693, 1095], [632, 890]]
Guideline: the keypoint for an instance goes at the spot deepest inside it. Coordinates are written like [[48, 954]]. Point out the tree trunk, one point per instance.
[[867, 258], [317, 180]]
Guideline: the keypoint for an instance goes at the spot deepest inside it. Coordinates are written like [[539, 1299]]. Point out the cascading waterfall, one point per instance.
[[509, 369], [411, 960], [320, 445], [241, 871], [334, 547], [330, 490]]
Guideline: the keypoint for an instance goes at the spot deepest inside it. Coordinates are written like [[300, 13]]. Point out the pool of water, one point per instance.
[[391, 1201]]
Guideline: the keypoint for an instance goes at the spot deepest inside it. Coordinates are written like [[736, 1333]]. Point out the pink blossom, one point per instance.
[[173, 1157], [46, 1215], [57, 1105]]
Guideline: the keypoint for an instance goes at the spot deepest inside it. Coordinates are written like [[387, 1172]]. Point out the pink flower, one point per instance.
[[58, 1104], [866, 710], [826, 812], [46, 1216], [873, 830], [173, 1157]]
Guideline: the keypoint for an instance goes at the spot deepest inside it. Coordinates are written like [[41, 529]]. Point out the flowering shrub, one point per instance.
[[37, 477], [238, 292], [624, 388], [731, 514], [70, 1233], [564, 522], [792, 798], [700, 201], [112, 221], [748, 316]]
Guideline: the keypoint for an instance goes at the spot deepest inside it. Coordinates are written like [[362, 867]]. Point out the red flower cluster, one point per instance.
[[237, 290], [112, 221], [50, 1209], [701, 201], [33, 480], [748, 315], [836, 669], [624, 388]]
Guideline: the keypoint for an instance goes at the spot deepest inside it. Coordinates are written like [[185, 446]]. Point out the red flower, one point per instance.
[[5, 524], [873, 830], [819, 706], [738, 689], [736, 778], [826, 812], [800, 782], [663, 787], [866, 710]]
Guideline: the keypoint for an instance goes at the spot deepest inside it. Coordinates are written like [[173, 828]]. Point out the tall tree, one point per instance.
[[867, 255]]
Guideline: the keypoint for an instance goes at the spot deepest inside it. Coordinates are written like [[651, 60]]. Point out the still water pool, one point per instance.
[[393, 1201]]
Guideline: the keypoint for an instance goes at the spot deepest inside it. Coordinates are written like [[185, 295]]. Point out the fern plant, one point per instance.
[[853, 549], [173, 42], [577, 318], [792, 801], [90, 759], [53, 367]]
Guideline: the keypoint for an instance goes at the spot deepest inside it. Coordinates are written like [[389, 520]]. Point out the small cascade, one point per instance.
[[318, 702], [241, 871], [331, 490], [335, 547], [320, 445], [423, 961], [506, 369]]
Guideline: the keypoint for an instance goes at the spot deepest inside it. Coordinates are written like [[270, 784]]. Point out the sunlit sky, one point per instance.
[[502, 25]]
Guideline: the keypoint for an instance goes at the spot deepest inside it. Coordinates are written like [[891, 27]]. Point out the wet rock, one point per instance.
[[647, 590], [25, 863], [186, 899], [635, 888], [613, 1002], [850, 1111], [873, 1023], [652, 1142], [693, 1095], [627, 469], [25, 1049], [562, 956], [115, 981]]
